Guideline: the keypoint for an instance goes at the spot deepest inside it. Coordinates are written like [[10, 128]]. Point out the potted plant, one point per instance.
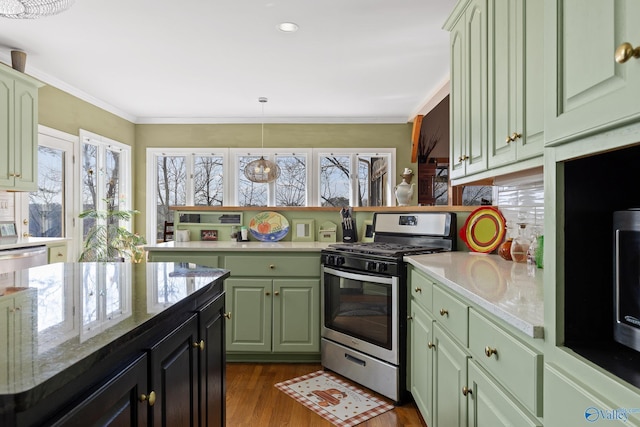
[[108, 240]]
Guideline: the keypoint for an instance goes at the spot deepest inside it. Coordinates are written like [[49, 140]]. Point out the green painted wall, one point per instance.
[[67, 113]]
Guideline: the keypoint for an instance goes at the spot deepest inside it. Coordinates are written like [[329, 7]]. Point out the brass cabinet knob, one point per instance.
[[508, 140], [151, 398], [431, 345], [409, 317], [488, 351], [267, 293], [272, 266], [25, 221], [444, 312], [419, 290], [625, 52], [276, 293], [199, 345], [227, 315], [466, 390]]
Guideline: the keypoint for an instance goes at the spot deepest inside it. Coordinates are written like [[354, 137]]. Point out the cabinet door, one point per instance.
[[587, 90], [57, 253], [6, 131], [491, 406], [26, 137], [116, 403], [174, 377], [450, 375], [469, 91], [422, 361], [212, 364], [476, 91], [250, 303], [296, 315]]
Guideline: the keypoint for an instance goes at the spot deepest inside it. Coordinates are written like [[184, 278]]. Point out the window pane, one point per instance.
[[334, 180], [112, 180], [89, 184], [291, 186], [172, 188], [207, 180], [46, 206], [476, 195], [250, 193]]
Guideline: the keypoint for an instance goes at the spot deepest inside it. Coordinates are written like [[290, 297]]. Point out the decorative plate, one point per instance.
[[269, 226], [484, 229]]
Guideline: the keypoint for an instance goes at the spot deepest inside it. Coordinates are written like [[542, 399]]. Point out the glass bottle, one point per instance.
[[533, 246], [520, 244]]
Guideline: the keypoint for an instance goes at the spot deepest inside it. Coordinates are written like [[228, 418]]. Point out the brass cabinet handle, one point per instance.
[[151, 398], [466, 390], [199, 345], [419, 290], [25, 221], [267, 293], [272, 266], [509, 139], [276, 293], [488, 351], [444, 312], [227, 315], [59, 254], [625, 52], [409, 317], [513, 137], [431, 345]]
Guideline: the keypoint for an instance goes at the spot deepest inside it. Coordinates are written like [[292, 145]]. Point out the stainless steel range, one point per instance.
[[364, 298]]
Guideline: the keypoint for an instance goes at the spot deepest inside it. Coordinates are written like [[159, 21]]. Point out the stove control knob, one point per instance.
[[328, 260], [340, 260], [371, 266], [382, 267]]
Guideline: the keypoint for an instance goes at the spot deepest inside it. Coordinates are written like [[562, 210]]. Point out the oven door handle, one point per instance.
[[360, 277]]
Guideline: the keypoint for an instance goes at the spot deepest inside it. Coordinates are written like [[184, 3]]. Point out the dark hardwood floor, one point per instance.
[[252, 400]]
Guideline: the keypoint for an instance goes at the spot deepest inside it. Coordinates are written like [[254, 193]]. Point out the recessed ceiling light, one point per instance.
[[288, 27]]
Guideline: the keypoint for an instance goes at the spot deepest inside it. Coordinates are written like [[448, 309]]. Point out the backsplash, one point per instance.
[[522, 201]]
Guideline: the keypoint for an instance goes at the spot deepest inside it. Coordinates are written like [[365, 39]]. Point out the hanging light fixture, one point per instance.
[[29, 9], [262, 170]]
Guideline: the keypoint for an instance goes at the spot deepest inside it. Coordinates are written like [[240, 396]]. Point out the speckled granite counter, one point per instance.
[[62, 319], [511, 291], [238, 246]]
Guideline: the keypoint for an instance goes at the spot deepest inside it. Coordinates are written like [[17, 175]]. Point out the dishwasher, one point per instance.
[[20, 258]]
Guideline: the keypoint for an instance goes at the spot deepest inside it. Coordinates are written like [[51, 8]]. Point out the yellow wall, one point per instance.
[[67, 113]]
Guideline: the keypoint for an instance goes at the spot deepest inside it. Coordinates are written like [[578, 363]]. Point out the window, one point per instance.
[[308, 177], [182, 178], [105, 171]]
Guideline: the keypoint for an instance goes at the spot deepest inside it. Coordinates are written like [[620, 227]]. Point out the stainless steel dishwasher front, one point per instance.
[[20, 258]]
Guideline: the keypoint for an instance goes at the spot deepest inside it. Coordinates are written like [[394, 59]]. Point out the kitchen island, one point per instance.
[[89, 342]]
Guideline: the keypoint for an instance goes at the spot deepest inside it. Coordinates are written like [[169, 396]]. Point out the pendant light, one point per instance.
[[30, 9], [262, 170]]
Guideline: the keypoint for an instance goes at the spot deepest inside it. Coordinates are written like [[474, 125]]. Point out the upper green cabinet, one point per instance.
[[587, 90], [18, 130], [516, 81], [468, 126]]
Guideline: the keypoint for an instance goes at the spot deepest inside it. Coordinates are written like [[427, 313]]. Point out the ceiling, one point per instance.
[[197, 61]]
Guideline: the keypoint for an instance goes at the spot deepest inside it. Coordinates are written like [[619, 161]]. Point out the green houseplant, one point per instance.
[[107, 239]]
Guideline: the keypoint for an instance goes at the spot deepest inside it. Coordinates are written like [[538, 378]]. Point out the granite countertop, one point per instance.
[[64, 313], [511, 291], [21, 242], [238, 246]]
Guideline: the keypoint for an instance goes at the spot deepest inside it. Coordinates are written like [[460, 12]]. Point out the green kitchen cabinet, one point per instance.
[[18, 314], [18, 130], [421, 380], [516, 84], [449, 378], [273, 316], [57, 253], [490, 405], [587, 91], [468, 79]]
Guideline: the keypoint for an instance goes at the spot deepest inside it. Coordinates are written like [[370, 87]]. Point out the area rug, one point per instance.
[[334, 399]]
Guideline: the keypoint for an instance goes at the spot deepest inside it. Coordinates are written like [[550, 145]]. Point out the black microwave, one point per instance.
[[626, 272]]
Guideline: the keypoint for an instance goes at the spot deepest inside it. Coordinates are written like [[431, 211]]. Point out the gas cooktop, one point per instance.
[[384, 248]]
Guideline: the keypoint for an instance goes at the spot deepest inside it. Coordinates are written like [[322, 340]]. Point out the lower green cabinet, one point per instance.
[[273, 315], [490, 405], [449, 378], [422, 361]]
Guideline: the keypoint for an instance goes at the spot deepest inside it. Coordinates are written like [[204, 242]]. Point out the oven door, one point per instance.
[[360, 311]]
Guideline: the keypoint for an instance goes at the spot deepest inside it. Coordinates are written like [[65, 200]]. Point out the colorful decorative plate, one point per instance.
[[269, 226], [484, 229]]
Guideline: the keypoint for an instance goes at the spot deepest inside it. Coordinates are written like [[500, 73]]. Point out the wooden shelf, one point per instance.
[[325, 209]]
